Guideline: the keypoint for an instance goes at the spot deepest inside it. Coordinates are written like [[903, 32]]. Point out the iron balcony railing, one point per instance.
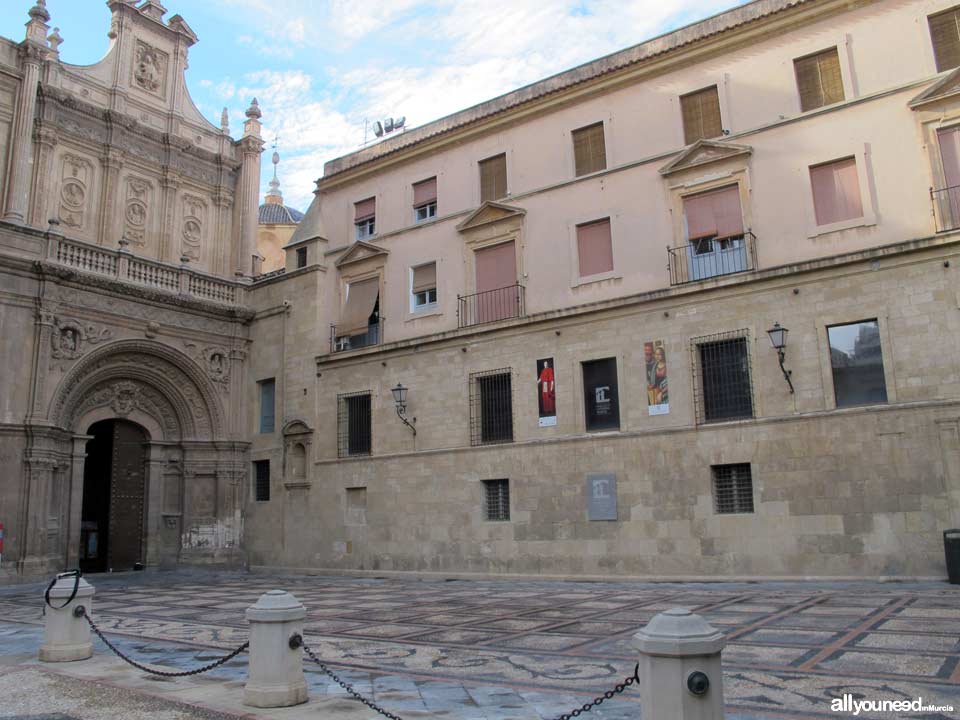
[[712, 257], [341, 343], [946, 207], [490, 306]]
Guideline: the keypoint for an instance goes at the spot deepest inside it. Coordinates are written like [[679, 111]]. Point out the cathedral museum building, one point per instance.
[[689, 310]]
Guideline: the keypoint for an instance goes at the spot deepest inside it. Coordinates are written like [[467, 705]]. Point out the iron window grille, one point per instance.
[[353, 424], [301, 258], [261, 480], [491, 407], [722, 377], [732, 488], [496, 500]]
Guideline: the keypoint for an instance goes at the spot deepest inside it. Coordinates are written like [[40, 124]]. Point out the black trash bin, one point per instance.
[[951, 548]]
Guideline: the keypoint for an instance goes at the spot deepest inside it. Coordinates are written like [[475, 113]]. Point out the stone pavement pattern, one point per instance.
[[493, 650]]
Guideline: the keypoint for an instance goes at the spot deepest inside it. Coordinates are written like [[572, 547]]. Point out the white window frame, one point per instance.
[[430, 214], [417, 309], [366, 228]]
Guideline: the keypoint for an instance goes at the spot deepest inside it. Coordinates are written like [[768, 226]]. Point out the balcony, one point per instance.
[[712, 257], [946, 207], [489, 306], [342, 343]]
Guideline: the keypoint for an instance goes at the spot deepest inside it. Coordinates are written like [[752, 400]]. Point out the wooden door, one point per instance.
[[127, 489]]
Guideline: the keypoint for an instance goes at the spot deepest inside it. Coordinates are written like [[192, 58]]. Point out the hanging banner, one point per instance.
[[658, 397], [600, 398], [546, 393]]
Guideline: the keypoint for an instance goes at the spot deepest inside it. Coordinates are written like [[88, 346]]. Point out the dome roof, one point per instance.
[[277, 214]]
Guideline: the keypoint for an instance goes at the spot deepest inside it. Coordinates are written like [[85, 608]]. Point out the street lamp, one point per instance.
[[400, 400], [778, 338]]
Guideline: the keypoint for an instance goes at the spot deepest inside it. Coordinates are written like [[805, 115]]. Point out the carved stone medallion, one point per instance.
[[69, 338], [76, 175], [149, 68], [136, 209], [194, 214]]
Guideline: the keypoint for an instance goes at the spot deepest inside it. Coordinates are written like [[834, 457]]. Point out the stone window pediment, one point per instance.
[[704, 152], [361, 250], [491, 212], [946, 88]]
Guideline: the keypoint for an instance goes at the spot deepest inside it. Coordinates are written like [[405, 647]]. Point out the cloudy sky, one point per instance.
[[320, 70]]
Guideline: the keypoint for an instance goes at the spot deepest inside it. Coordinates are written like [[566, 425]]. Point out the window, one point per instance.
[[715, 233], [722, 377], [267, 401], [353, 424], [493, 178], [496, 500], [600, 395], [301, 258], [425, 200], [701, 115], [594, 248], [857, 362], [732, 488], [423, 287], [589, 150], [359, 324], [945, 36], [261, 480], [491, 407], [365, 216], [836, 191], [818, 79]]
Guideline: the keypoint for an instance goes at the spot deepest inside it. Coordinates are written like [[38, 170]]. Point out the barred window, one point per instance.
[[353, 424], [496, 500], [721, 377], [732, 488], [491, 407], [261, 480]]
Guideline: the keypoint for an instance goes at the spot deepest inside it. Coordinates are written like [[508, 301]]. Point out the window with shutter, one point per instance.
[[493, 178], [701, 115], [589, 149], [945, 37], [267, 401], [425, 200], [836, 191], [424, 286], [594, 248], [819, 80]]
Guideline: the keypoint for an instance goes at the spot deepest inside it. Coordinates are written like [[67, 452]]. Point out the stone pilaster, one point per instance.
[[78, 458], [169, 249], [110, 224], [46, 145], [223, 202], [251, 146], [21, 146]]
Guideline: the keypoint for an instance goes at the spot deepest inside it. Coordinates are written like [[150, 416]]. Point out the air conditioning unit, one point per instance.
[[342, 344]]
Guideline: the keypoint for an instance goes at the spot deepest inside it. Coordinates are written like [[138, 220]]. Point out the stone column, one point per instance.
[[75, 510], [170, 245], [222, 202], [680, 673], [251, 145], [32, 52], [153, 522], [111, 226]]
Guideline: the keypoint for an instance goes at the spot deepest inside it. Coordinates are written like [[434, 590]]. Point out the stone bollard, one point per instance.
[[275, 672], [680, 673], [66, 635]]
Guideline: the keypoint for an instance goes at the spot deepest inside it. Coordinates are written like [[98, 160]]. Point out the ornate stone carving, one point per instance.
[[214, 359], [149, 68], [194, 220], [136, 209], [125, 396], [76, 177], [69, 338]]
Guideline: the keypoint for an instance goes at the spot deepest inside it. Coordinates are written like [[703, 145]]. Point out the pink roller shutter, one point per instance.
[[365, 209], [836, 191], [714, 214], [424, 192], [699, 213], [594, 248], [949, 139], [496, 267]]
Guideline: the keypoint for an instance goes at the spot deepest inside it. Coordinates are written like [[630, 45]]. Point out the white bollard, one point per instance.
[[275, 672], [680, 670], [66, 635]]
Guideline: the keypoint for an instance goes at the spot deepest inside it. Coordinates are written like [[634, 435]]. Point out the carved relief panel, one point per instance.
[[193, 226], [150, 68], [138, 199], [76, 184]]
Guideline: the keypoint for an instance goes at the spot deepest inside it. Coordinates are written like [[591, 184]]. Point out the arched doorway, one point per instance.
[[114, 497]]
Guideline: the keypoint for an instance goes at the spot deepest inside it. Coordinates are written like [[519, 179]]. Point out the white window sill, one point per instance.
[[818, 230], [598, 278], [430, 311]]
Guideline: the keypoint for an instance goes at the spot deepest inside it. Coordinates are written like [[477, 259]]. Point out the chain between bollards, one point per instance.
[[81, 611]]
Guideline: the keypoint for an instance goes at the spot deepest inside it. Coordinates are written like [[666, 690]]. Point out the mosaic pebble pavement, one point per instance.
[[495, 650]]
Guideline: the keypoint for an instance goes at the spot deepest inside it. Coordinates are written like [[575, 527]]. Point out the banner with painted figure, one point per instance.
[[658, 396], [546, 392]]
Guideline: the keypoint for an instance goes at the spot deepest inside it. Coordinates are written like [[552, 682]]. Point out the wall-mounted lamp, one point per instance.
[[400, 400], [778, 338]]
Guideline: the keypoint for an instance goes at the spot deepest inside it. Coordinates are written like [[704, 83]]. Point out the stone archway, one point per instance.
[[192, 499]]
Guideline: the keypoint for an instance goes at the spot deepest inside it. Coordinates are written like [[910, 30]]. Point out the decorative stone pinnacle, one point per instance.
[[39, 12], [55, 41], [253, 112], [225, 121]]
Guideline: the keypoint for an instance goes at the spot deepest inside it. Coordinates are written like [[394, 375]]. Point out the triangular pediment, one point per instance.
[[360, 250], [490, 212], [945, 87], [703, 152]]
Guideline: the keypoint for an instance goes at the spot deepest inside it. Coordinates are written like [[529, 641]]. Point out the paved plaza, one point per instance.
[[495, 650]]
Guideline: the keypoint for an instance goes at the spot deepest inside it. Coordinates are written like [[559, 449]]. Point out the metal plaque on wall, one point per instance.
[[602, 497]]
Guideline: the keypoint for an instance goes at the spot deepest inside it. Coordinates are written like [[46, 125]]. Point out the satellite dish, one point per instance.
[[388, 124], [398, 123], [378, 128]]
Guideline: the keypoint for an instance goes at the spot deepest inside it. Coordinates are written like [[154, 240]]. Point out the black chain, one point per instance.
[[617, 689], [82, 611], [348, 687]]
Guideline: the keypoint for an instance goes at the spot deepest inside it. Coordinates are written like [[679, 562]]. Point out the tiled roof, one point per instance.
[[276, 214]]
